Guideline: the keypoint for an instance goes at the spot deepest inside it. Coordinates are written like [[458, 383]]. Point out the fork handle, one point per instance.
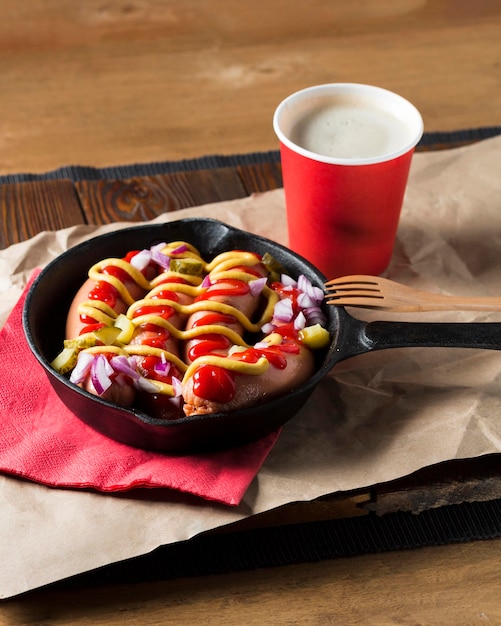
[[437, 302], [359, 337]]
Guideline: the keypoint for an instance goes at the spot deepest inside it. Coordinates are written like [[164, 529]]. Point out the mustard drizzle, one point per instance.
[[220, 268]]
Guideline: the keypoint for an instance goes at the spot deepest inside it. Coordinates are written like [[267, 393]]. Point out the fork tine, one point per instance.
[[354, 279], [350, 288], [374, 295], [352, 295]]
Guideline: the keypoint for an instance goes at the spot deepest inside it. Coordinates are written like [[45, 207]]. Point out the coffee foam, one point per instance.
[[350, 129]]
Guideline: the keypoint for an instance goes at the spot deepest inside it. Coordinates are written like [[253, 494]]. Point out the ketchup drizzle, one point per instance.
[[233, 287]]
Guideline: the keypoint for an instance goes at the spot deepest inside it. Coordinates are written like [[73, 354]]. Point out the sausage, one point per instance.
[[149, 310], [101, 287], [236, 295], [227, 390], [160, 336], [215, 384], [97, 289], [188, 352]]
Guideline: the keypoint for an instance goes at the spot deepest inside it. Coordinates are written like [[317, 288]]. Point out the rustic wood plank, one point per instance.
[[117, 82], [455, 585], [143, 198], [260, 176], [29, 208]]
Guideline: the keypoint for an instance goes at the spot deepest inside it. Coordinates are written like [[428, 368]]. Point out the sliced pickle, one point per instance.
[[274, 267], [107, 335], [193, 267], [87, 340], [315, 337], [126, 327], [66, 360]]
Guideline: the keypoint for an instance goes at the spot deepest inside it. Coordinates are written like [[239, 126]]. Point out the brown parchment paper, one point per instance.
[[375, 418]]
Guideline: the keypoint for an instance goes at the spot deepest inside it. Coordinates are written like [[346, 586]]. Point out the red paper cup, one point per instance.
[[346, 151]]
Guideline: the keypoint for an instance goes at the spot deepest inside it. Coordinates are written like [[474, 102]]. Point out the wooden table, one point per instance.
[[120, 82]]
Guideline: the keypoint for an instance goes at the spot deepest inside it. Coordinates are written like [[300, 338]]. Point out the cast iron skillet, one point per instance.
[[49, 298]]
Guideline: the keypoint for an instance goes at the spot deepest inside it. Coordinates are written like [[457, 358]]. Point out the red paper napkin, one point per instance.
[[40, 439]]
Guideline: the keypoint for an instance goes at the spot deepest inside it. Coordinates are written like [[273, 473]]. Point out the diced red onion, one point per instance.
[[180, 249], [300, 321], [287, 281], [162, 367], [318, 294], [261, 345], [267, 328], [145, 385], [303, 283], [206, 282], [159, 257], [306, 286], [124, 365], [100, 372], [257, 286], [309, 300], [283, 311], [177, 386], [315, 315], [177, 401], [82, 368], [141, 260], [305, 301]]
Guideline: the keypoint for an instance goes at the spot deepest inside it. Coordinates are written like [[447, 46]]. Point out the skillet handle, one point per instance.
[[382, 335]]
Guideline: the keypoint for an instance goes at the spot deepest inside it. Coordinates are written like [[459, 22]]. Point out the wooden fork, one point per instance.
[[374, 292]]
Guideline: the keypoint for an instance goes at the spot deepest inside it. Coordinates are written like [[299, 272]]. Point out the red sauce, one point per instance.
[[90, 328], [273, 354], [287, 331], [159, 339], [207, 344], [248, 270], [148, 365], [107, 293], [130, 255], [214, 318], [214, 384], [162, 310], [117, 272], [165, 294], [104, 292], [227, 287]]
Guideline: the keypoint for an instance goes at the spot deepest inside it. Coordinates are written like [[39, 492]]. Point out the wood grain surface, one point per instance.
[[440, 586], [107, 82]]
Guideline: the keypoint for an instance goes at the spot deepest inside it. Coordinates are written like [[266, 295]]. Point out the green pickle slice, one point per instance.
[[315, 337], [193, 267], [66, 360], [274, 267]]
